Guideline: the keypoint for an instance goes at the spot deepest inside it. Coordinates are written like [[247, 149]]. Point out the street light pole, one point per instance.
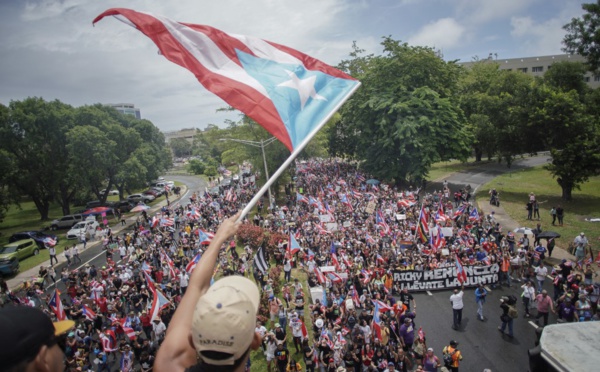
[[261, 145]]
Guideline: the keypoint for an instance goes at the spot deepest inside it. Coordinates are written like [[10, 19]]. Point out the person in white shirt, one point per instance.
[[158, 329], [528, 296], [540, 275], [75, 252], [457, 307], [122, 251], [184, 280]]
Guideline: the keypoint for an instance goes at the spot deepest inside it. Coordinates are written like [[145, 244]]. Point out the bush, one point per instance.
[[274, 239], [251, 234]]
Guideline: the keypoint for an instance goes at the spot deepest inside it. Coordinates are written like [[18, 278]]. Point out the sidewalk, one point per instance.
[[17, 281]]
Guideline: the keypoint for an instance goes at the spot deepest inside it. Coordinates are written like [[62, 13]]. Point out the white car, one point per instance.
[[81, 228], [144, 198], [111, 192]]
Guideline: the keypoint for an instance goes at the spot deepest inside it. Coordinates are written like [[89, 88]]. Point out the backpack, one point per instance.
[[448, 358], [513, 312]]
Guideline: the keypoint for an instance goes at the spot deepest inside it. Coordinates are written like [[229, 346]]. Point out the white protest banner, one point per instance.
[[347, 224], [331, 226], [400, 217], [324, 218], [447, 232]]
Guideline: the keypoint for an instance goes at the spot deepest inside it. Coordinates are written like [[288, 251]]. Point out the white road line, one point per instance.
[[531, 323], [487, 288], [549, 277], [429, 293]]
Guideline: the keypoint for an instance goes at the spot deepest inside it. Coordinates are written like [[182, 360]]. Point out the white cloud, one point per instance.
[[480, 11], [444, 33]]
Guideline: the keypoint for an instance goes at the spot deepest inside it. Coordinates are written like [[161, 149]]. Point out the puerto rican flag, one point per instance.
[[335, 261], [109, 341], [380, 220], [461, 275], [376, 324], [369, 238], [320, 229], [355, 194], [382, 306], [334, 277], [159, 301], [130, 332], [192, 264], [459, 211], [360, 177], [293, 246], [287, 92], [301, 198], [474, 216], [227, 173], [56, 305], [51, 242], [303, 328], [88, 313], [167, 222], [366, 275], [204, 237], [320, 277]]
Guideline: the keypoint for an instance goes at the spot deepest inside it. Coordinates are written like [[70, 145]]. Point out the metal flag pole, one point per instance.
[[294, 155]]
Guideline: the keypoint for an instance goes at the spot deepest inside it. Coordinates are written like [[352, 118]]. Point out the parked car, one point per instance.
[[226, 182], [94, 204], [110, 192], [152, 192], [66, 221], [122, 205], [171, 184], [39, 237], [21, 249], [9, 266], [81, 228], [136, 198], [160, 191]]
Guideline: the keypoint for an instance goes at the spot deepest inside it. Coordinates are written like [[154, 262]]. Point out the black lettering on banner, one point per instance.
[[444, 278]]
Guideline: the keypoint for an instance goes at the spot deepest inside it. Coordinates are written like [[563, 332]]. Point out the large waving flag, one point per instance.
[[293, 246], [57, 307], [283, 90], [423, 226], [159, 301], [88, 313], [461, 274], [376, 324], [192, 264]]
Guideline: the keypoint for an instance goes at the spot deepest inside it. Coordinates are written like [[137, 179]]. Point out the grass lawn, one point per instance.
[[514, 191], [445, 168]]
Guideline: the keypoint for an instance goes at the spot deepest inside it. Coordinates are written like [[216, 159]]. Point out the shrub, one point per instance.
[[250, 234]]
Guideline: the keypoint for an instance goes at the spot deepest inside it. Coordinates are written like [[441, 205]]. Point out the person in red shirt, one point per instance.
[[159, 276], [146, 323], [102, 305]]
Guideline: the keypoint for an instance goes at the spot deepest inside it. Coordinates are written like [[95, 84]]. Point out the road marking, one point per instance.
[[487, 288], [549, 277], [531, 323], [429, 293]]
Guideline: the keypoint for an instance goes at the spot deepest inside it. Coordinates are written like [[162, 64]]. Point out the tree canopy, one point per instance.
[[583, 35]]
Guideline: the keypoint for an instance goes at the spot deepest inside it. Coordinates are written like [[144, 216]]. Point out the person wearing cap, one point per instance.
[[281, 356], [30, 341], [454, 354], [213, 326], [480, 295], [581, 244], [431, 363]]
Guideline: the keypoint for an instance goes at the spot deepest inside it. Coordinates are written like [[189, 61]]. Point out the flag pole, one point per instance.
[[294, 155]]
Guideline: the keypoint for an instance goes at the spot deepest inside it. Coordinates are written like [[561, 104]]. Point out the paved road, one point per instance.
[[482, 345]]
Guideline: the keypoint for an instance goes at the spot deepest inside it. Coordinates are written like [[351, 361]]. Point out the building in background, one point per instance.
[[537, 66], [127, 109], [187, 134]]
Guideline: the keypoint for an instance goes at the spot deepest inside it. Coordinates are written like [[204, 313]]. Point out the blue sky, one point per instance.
[[50, 49]]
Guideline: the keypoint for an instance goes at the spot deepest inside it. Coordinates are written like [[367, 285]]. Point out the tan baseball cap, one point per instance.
[[224, 319]]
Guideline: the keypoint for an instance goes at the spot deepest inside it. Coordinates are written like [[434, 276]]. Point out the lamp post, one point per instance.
[[261, 145]]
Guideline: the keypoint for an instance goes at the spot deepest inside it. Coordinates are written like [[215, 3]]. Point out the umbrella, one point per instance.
[[523, 230], [139, 208], [97, 210], [373, 181], [548, 235]]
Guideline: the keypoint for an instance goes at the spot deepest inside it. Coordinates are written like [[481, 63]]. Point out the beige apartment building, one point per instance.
[[537, 66]]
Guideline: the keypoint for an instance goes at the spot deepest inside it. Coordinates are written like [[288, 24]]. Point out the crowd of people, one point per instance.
[[356, 314]]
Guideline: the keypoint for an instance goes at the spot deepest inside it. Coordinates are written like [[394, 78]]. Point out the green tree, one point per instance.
[[567, 76], [180, 147], [196, 166], [405, 116], [34, 135], [583, 35]]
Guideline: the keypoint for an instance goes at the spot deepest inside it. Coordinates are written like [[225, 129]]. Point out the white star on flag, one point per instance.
[[305, 87]]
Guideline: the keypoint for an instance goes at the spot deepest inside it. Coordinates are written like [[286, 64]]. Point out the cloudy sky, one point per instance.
[[50, 49]]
